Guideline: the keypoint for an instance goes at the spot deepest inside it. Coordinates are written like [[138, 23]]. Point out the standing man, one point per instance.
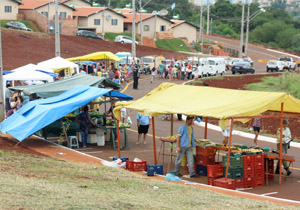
[[185, 142], [286, 139], [257, 124], [225, 126], [143, 123], [135, 69], [161, 68]]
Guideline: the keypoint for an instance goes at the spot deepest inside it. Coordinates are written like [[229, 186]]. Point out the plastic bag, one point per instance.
[[129, 121], [171, 177]]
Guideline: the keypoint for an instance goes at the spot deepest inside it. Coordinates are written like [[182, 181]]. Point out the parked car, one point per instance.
[[290, 63], [89, 34], [17, 25], [248, 60], [242, 68], [235, 60], [124, 39], [274, 65]]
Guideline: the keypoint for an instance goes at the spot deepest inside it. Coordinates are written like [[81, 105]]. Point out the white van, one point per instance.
[[203, 70], [150, 61], [219, 65]]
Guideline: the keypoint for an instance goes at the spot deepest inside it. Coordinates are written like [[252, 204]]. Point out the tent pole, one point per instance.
[[154, 145], [229, 148], [172, 124], [205, 130], [118, 137], [280, 152]]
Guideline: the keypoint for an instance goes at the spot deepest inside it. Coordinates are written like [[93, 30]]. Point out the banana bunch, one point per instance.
[[252, 150], [171, 137]]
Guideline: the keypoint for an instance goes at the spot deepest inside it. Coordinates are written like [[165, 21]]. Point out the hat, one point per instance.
[[190, 117], [285, 121]]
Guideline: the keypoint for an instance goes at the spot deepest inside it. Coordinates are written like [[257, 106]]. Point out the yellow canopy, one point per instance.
[[96, 56], [205, 101]]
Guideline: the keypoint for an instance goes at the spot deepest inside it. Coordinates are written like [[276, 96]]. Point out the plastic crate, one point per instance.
[[259, 183], [248, 182], [150, 170], [205, 160], [222, 182], [205, 151], [123, 158], [188, 170], [202, 170], [259, 158], [215, 170], [234, 162], [249, 171], [239, 183], [248, 160], [211, 180], [158, 169], [234, 173], [136, 166]]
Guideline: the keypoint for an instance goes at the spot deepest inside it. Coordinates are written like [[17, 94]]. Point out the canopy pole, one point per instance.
[[229, 149], [118, 137], [172, 124], [154, 145], [280, 152], [205, 130]]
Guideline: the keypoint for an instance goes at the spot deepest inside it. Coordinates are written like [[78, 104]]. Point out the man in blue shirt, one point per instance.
[[143, 124], [185, 142]]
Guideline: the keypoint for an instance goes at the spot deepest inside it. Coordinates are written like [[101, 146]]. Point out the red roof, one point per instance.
[[177, 22], [32, 4], [137, 17], [86, 11]]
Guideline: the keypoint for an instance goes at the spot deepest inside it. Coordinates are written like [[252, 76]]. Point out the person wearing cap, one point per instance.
[[286, 136], [185, 142]]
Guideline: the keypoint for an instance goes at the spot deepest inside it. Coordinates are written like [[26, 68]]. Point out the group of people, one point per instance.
[[175, 70]]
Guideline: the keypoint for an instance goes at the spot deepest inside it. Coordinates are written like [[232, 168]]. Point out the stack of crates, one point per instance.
[[259, 180], [270, 171], [222, 182], [235, 170], [248, 161], [214, 172], [204, 156]]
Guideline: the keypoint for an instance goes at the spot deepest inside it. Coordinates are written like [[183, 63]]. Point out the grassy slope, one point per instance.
[[3, 22], [43, 183], [172, 44]]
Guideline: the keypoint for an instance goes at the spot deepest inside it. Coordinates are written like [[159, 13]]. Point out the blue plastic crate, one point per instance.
[[202, 170], [150, 170], [123, 158], [158, 168]]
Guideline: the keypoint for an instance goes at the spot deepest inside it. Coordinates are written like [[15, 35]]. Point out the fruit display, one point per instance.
[[127, 125], [170, 137], [95, 113], [252, 151]]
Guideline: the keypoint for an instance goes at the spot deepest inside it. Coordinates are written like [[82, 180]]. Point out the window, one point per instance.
[[114, 22], [7, 9], [97, 22], [146, 28], [63, 15], [45, 14], [162, 28]]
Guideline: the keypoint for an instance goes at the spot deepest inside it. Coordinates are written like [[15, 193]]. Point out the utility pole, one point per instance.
[[48, 18], [207, 24], [242, 31], [201, 13], [247, 32], [133, 29], [103, 20], [141, 23], [57, 41], [2, 100]]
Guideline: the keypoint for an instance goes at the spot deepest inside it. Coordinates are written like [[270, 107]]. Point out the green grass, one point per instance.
[[3, 22], [288, 82], [172, 44], [111, 36], [34, 182]]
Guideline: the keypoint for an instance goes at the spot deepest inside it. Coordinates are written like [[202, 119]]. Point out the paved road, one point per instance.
[[288, 190], [254, 51]]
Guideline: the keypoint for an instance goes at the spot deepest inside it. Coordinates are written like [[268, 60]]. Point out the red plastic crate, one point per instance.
[[136, 166], [248, 182], [249, 170], [239, 183], [205, 160], [215, 170], [211, 180], [205, 151], [259, 183], [228, 184], [195, 168], [259, 166], [259, 158], [248, 160]]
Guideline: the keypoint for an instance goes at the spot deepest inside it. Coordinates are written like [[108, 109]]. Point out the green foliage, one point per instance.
[[288, 82], [172, 44], [111, 36], [198, 47]]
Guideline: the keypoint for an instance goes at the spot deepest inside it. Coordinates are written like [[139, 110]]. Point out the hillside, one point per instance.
[[20, 48]]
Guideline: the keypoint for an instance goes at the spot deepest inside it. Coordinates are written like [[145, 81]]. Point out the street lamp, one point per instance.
[[248, 20], [242, 31]]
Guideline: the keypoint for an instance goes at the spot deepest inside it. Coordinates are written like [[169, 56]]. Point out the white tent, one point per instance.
[[32, 67], [58, 63], [27, 75]]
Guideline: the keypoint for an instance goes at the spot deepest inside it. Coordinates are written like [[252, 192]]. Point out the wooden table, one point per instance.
[[162, 150]]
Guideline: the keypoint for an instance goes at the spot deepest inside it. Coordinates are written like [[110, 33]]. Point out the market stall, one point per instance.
[[224, 104]]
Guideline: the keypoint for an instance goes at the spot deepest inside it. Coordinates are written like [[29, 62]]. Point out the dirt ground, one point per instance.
[[20, 48]]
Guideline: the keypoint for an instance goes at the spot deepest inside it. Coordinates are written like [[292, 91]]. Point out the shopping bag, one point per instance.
[[129, 121]]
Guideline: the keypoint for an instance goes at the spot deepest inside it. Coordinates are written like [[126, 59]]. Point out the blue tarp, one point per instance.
[[37, 114], [6, 72], [119, 95]]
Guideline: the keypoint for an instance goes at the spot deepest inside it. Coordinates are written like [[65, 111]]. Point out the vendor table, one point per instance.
[[112, 140], [273, 156], [162, 150]]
